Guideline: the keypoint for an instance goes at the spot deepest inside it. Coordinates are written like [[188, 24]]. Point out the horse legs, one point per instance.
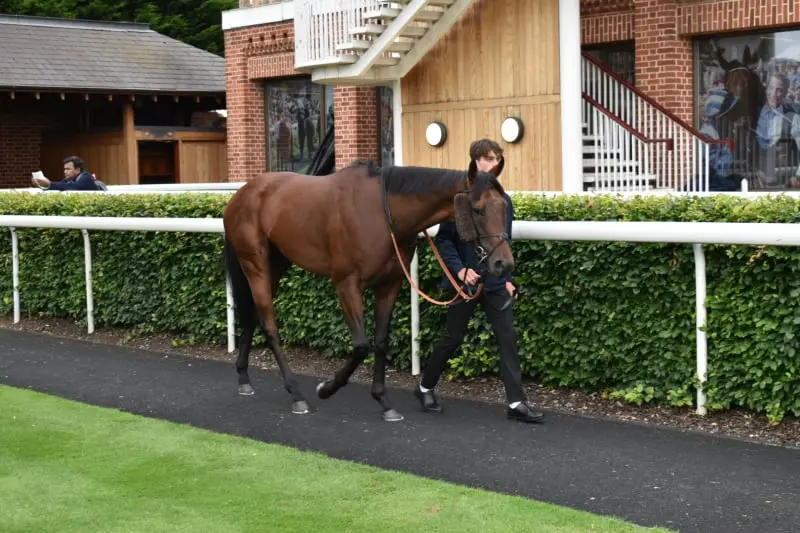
[[249, 317], [385, 298], [264, 268], [247, 314], [243, 360], [351, 298]]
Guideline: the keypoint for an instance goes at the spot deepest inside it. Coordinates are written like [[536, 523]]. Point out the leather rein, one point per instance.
[[483, 255]]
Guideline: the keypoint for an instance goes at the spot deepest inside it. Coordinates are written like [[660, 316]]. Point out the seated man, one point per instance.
[[76, 178]]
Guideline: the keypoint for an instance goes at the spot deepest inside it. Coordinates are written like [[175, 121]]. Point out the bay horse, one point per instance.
[[354, 226]]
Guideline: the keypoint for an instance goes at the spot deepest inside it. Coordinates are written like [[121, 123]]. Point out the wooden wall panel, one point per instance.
[[500, 59], [203, 161], [103, 154], [534, 164]]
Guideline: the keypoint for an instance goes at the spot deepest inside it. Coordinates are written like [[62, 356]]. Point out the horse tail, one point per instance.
[[242, 295]]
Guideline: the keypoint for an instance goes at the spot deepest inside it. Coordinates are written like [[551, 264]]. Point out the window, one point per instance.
[[619, 57], [747, 89], [386, 125], [299, 114]]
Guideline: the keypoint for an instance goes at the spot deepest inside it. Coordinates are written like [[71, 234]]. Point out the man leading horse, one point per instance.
[[359, 228]]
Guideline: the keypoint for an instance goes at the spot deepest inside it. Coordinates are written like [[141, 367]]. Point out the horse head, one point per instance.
[[480, 216]]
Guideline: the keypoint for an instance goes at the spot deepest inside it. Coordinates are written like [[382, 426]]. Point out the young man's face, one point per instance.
[[69, 170], [487, 162]]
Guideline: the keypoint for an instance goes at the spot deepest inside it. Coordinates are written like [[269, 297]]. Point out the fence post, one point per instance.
[[87, 253], [15, 272], [415, 316], [702, 343], [230, 319]]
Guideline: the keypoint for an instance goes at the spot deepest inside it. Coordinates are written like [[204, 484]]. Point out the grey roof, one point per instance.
[[46, 53]]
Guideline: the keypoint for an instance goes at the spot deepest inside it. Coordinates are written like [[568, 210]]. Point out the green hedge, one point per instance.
[[613, 317]]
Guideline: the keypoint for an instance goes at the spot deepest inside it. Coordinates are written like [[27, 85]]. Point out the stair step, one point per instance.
[[591, 177], [363, 45], [382, 13], [596, 190], [437, 3], [613, 164], [590, 149], [380, 62], [373, 30], [367, 29], [388, 13], [428, 15]]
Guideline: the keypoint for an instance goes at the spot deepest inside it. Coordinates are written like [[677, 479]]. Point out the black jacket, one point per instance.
[[83, 182], [457, 254]]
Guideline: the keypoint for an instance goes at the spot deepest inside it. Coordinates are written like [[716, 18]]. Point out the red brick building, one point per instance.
[[671, 94]]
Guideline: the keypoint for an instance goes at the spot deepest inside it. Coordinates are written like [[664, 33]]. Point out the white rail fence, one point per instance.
[[85, 224], [163, 188], [694, 233]]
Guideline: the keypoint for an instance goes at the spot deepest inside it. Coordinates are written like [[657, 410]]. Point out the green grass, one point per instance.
[[70, 467]]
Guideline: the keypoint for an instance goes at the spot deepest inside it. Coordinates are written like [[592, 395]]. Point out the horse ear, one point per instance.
[[498, 168], [473, 171], [464, 226]]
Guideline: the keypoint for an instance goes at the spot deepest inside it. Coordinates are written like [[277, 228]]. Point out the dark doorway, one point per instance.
[[157, 162]]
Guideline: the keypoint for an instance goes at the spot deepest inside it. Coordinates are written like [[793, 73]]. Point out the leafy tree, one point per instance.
[[195, 22]]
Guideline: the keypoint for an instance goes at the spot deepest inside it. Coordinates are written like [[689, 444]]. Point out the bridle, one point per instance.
[[483, 256], [480, 251]]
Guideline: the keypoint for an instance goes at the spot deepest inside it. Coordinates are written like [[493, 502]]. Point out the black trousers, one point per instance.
[[502, 321]]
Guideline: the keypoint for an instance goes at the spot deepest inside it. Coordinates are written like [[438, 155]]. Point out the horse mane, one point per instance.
[[411, 180]]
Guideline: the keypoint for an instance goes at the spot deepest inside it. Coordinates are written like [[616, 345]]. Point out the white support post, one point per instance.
[[569, 47], [15, 272], [415, 370], [231, 320], [702, 344], [397, 122], [87, 254]]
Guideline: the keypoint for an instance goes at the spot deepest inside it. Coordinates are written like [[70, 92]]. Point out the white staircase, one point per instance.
[[631, 143], [616, 159], [597, 157], [368, 41]]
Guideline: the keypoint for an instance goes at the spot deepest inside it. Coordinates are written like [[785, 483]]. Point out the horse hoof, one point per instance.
[[300, 408], [390, 415], [324, 389], [246, 389]]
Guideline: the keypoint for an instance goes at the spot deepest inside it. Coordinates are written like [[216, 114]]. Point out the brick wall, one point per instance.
[[356, 121], [607, 28], [730, 15], [663, 57], [21, 127], [259, 53], [606, 21], [251, 54]]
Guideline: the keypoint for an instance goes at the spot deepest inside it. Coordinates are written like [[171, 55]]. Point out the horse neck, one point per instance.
[[413, 213]]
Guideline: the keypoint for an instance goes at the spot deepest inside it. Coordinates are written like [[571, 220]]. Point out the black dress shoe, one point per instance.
[[524, 413], [428, 401]]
